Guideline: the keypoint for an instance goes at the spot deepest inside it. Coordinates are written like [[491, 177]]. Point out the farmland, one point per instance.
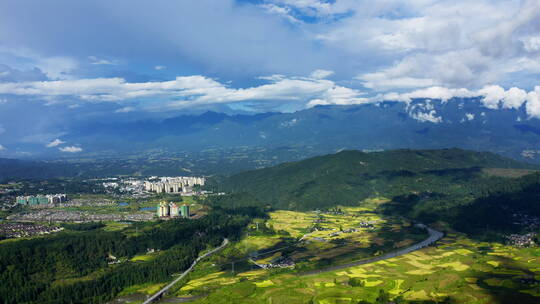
[[458, 270]]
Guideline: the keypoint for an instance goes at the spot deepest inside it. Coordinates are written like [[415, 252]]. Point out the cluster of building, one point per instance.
[[521, 240], [14, 230], [349, 230], [53, 215], [182, 184], [368, 224], [171, 209], [33, 200], [280, 262]]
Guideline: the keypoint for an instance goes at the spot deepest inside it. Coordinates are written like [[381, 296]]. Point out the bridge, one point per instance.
[[158, 295]]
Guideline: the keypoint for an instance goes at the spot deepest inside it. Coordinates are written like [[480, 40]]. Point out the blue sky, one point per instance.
[[66, 62]]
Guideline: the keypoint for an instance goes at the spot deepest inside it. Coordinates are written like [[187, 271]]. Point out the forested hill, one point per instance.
[[348, 177]]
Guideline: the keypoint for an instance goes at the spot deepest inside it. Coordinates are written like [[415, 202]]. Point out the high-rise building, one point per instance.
[[42, 199], [184, 211], [163, 209], [22, 200], [175, 211], [182, 184]]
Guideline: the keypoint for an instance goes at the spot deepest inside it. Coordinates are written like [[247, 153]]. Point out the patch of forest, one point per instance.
[[73, 267]]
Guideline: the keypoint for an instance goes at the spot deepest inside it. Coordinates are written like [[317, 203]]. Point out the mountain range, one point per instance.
[[271, 138], [421, 124]]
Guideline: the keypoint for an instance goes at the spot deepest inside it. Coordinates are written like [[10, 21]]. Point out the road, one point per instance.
[[434, 236], [160, 293]]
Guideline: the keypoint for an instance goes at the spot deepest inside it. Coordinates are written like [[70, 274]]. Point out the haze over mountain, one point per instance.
[[423, 123]]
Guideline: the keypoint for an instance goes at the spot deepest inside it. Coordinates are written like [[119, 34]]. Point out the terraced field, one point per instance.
[[458, 270]]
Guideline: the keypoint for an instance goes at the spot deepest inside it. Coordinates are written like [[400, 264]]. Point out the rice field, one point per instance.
[[458, 269]]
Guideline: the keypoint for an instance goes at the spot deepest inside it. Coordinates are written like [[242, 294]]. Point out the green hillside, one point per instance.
[[429, 185], [350, 176]]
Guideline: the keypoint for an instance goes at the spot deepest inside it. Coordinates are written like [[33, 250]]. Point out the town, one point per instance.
[[185, 185], [15, 230]]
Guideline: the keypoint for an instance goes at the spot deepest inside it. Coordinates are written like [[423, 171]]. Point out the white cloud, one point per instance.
[[55, 143], [430, 116], [492, 97], [514, 98], [159, 67], [100, 61], [469, 116], [190, 90], [2, 148], [281, 11], [321, 74], [533, 103], [70, 149], [57, 67], [441, 93], [125, 110], [426, 43]]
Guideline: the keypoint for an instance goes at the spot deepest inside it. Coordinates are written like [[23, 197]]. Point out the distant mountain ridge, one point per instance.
[[421, 124]]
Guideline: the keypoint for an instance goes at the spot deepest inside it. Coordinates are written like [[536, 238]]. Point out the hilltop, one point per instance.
[[351, 176], [428, 185]]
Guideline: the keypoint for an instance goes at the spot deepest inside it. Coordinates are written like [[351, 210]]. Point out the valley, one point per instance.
[[402, 226], [456, 269]]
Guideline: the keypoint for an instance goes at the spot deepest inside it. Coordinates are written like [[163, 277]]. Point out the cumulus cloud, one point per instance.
[[468, 117], [191, 90], [70, 149], [2, 148], [424, 112], [55, 143], [533, 103], [430, 116], [492, 97], [441, 93], [320, 74], [159, 67], [432, 43]]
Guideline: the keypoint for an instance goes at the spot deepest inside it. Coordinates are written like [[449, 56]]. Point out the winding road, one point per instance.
[[160, 293], [434, 236]]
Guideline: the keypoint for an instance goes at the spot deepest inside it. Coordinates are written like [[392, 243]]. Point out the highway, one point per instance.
[[160, 293]]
